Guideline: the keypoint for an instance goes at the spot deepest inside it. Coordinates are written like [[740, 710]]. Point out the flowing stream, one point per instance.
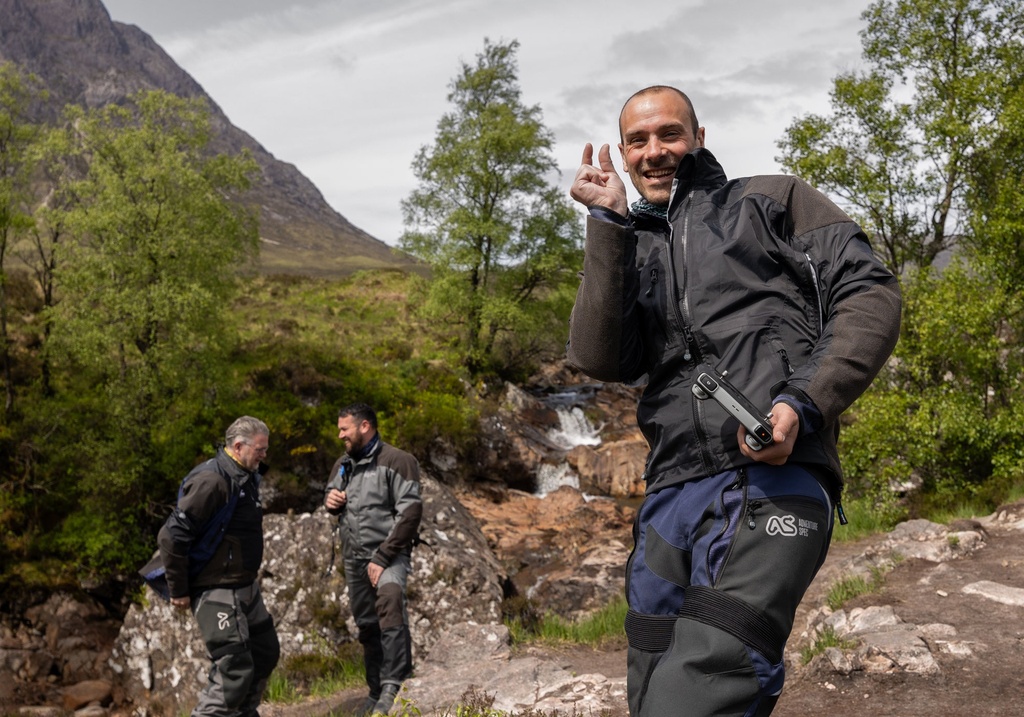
[[575, 429]]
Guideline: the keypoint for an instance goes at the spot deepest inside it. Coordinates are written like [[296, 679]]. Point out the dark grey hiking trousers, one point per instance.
[[242, 643], [383, 621], [718, 569]]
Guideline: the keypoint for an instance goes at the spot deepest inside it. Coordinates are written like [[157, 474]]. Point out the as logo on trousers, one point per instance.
[[223, 620], [782, 525]]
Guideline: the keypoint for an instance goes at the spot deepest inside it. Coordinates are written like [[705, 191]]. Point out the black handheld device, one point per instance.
[[711, 384]]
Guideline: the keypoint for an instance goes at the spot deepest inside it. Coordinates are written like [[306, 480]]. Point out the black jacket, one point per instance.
[[238, 557], [762, 277]]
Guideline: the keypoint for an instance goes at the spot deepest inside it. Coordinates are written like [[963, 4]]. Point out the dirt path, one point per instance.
[[989, 682]]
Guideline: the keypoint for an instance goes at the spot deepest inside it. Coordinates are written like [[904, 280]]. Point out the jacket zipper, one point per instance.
[[786, 365], [817, 293], [654, 281], [682, 314], [739, 484]]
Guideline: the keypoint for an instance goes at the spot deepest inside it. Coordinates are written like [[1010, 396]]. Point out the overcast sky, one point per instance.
[[349, 90]]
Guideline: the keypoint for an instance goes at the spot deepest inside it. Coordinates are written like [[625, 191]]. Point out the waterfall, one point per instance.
[[551, 477], [574, 430]]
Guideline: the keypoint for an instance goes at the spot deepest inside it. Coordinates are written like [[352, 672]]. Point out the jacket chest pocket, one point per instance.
[[655, 293]]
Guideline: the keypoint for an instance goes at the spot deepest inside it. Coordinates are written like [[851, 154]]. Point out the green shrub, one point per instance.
[[320, 673]]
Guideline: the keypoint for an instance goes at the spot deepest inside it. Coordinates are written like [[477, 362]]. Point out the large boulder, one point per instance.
[[564, 552], [161, 662]]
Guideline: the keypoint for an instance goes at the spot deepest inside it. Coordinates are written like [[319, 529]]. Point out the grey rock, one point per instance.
[[994, 591], [474, 663]]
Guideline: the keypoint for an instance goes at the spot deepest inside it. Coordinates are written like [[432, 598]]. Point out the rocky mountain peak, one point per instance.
[[83, 57]]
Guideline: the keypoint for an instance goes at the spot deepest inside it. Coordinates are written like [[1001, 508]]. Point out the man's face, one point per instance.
[[657, 130], [356, 434], [249, 453]]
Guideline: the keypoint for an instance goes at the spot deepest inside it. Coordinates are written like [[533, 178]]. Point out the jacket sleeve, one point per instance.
[[202, 496], [604, 336], [404, 483], [860, 304]]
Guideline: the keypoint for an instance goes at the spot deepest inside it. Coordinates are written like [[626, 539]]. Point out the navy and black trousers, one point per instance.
[[717, 571]]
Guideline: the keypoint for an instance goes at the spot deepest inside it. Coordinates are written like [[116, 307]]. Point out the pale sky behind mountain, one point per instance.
[[349, 90]]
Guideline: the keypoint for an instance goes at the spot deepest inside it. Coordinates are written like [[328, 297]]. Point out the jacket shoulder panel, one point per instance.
[[399, 461], [807, 209]]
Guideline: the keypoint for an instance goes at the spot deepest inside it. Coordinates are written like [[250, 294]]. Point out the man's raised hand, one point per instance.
[[599, 186]]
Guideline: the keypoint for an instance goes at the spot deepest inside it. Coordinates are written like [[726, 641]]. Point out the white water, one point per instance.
[[574, 430], [551, 477]]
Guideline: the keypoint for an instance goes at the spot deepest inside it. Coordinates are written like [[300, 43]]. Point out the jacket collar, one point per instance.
[[234, 470], [698, 169], [370, 451]]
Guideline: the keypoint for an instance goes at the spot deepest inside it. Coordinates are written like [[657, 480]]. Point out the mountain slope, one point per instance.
[[85, 58]]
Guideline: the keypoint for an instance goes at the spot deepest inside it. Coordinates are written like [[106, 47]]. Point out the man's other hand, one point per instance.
[[785, 429], [335, 499], [599, 186]]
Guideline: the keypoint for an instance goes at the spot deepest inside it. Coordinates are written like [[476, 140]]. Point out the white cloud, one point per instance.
[[349, 91]]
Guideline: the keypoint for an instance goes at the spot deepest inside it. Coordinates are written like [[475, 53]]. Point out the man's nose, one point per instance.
[[654, 148]]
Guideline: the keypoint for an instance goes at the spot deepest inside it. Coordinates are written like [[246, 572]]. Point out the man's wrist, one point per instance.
[[605, 214]]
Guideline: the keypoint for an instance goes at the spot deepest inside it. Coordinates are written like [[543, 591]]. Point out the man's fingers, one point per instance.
[[588, 153], [604, 156]]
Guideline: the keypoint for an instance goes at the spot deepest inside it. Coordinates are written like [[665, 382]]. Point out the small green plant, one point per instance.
[[865, 519], [957, 508], [280, 690], [853, 586], [317, 674], [525, 625], [827, 638]]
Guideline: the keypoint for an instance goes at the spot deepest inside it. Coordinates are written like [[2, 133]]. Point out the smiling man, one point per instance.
[[374, 490], [767, 280]]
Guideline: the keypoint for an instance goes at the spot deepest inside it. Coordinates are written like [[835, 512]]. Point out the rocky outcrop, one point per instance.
[[875, 638], [84, 58], [565, 553], [55, 646], [463, 653], [474, 663]]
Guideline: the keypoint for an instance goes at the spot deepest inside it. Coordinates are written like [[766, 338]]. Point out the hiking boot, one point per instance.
[[366, 708], [387, 698]]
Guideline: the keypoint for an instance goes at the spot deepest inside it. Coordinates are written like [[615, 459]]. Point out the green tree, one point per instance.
[[146, 275], [898, 143], [17, 136], [927, 149], [500, 239]]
